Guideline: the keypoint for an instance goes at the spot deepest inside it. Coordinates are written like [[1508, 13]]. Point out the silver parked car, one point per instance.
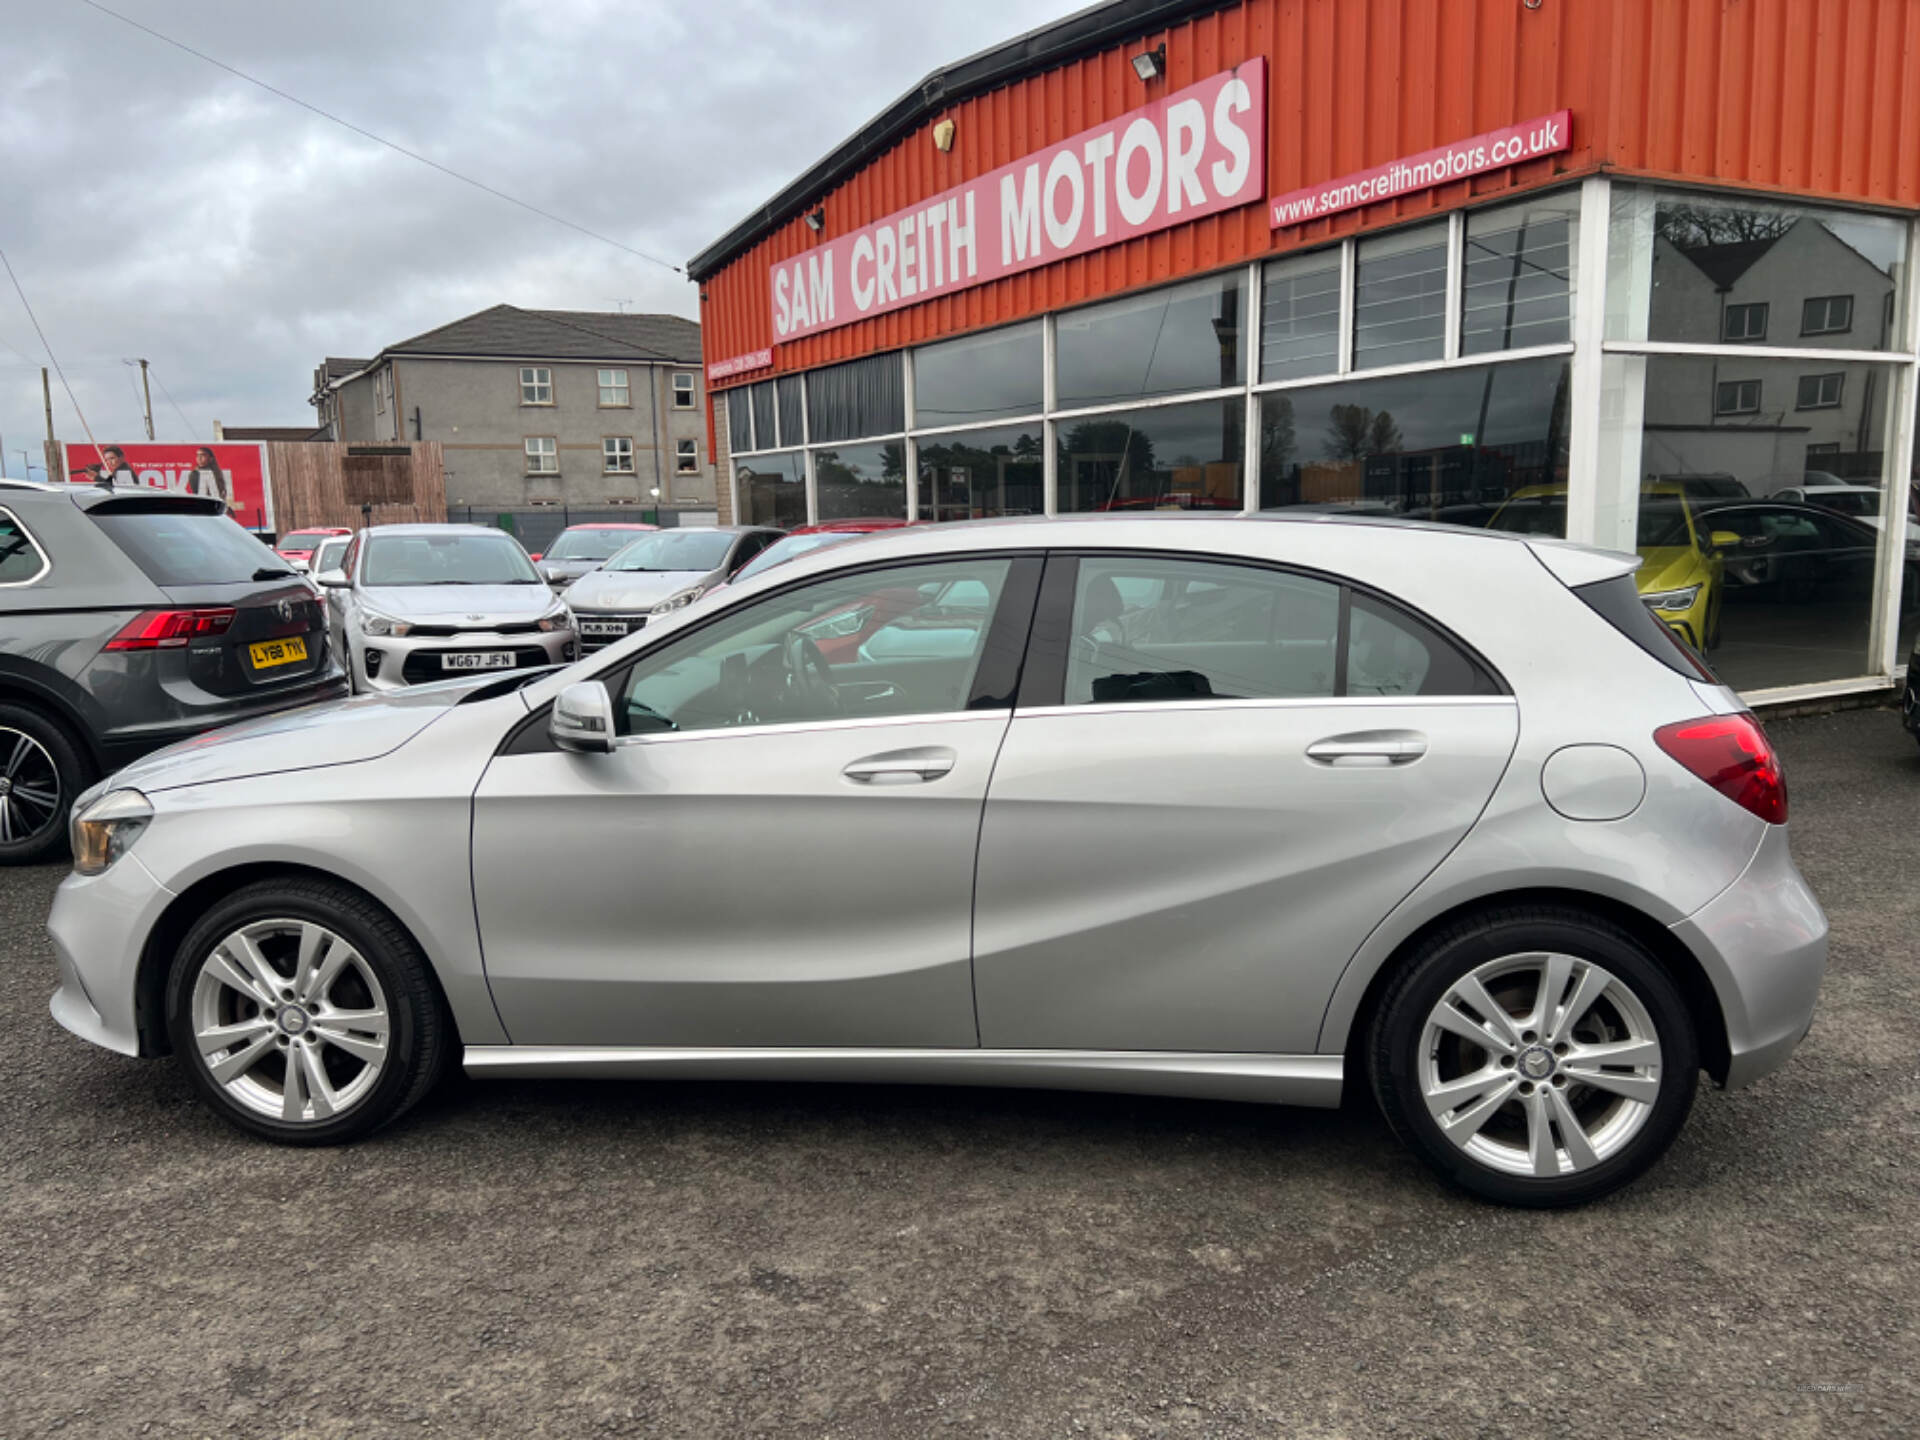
[[416, 603], [1235, 808], [658, 574]]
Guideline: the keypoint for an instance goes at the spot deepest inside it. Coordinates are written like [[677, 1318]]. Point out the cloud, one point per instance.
[[156, 206]]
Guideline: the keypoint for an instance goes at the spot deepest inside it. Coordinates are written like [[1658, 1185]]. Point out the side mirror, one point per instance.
[[582, 719], [331, 579], [1726, 540]]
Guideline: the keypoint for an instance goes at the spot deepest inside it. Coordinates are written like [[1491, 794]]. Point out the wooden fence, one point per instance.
[[319, 482]]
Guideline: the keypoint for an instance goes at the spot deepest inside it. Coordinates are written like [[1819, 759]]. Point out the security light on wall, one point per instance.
[[1151, 64], [816, 220], [943, 136]]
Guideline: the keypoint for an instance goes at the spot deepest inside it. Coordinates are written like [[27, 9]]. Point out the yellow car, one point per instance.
[[1681, 571]]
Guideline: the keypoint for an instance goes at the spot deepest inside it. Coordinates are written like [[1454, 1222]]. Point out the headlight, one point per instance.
[[561, 619], [1681, 599], [680, 601], [372, 622], [102, 831]]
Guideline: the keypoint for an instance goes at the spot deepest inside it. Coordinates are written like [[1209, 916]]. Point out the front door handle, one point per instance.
[[902, 767], [1370, 748]]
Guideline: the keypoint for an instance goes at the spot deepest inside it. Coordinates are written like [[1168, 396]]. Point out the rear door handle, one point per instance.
[[902, 767], [1369, 748]]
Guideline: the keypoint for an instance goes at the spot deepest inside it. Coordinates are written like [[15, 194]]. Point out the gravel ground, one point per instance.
[[547, 1259]]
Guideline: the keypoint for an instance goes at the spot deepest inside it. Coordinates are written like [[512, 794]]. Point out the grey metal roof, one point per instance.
[[507, 330]]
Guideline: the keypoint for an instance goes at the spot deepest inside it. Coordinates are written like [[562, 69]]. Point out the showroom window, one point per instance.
[[854, 482], [1300, 316], [761, 398], [790, 402], [1180, 337], [1171, 457], [977, 474], [1517, 290], [1400, 298], [991, 376], [739, 422], [853, 401], [772, 489]]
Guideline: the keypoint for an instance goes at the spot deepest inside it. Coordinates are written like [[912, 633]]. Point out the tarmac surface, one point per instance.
[[548, 1259]]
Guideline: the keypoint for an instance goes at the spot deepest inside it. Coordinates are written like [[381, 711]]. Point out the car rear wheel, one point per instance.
[[40, 773], [1535, 1056], [304, 1013]]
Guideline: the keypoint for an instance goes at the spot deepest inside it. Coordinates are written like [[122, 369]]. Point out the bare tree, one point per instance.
[[1689, 227]]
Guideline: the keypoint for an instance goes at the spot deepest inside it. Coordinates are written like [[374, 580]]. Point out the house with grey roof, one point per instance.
[[562, 407]]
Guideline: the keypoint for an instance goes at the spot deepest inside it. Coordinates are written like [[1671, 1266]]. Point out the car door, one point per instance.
[[1219, 779], [779, 851]]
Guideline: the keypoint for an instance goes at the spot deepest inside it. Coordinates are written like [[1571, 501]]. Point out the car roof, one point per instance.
[[450, 528], [610, 525]]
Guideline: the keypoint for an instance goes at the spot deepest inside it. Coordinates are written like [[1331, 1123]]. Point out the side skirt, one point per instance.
[[1267, 1079]]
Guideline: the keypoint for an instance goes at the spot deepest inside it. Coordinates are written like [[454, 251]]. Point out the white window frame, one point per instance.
[[1738, 387], [619, 387], [531, 381], [1746, 308], [540, 449], [686, 457], [1826, 301], [1820, 389], [610, 454], [684, 395]]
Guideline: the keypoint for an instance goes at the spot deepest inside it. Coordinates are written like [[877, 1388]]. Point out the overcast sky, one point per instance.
[[155, 206]]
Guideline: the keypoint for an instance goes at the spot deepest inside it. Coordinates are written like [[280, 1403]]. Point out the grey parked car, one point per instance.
[[417, 603], [658, 574], [129, 620], [580, 548], [1236, 808]]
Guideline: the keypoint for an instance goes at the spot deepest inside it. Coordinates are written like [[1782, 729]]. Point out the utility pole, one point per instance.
[[46, 395], [146, 395]]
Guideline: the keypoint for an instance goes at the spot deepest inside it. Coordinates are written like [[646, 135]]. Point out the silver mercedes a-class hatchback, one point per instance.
[[1248, 809]]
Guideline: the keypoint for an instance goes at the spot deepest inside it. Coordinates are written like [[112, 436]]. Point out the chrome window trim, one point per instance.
[[1277, 702], [46, 560], [795, 727]]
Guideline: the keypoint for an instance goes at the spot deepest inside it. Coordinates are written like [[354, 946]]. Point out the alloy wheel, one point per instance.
[[1539, 1064], [290, 1020], [29, 786]]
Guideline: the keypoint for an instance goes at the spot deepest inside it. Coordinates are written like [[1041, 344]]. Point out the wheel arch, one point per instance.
[[1696, 989], [185, 910], [20, 688]]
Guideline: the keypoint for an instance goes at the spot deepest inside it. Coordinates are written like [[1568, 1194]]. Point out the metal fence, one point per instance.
[[536, 526]]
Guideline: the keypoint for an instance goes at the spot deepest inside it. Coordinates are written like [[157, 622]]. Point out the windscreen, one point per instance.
[[446, 559], [578, 544], [696, 550], [792, 548], [175, 547]]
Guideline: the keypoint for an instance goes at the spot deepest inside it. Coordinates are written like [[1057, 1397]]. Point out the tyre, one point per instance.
[[304, 1013], [1534, 1056], [40, 773]]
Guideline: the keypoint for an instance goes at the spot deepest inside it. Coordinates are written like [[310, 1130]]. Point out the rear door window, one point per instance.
[[21, 560], [173, 546]]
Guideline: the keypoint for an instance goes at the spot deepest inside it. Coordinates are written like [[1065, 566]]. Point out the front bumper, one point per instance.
[[99, 925], [601, 628], [1763, 944], [416, 659]]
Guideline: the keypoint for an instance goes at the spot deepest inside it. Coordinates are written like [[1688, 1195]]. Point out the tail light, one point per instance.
[[1733, 755], [170, 629]]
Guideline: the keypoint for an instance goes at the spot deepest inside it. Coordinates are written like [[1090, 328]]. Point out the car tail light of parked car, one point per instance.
[[1733, 755], [170, 629]]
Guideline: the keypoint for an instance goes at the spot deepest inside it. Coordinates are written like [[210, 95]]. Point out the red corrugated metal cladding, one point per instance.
[[1819, 98]]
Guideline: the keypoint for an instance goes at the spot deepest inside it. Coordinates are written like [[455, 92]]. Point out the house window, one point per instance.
[[613, 389], [1737, 397], [682, 391], [543, 455], [1827, 315], [536, 385], [617, 453], [1819, 392], [1745, 322], [686, 458]]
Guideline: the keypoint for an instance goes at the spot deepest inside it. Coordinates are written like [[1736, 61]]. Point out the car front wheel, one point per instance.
[[304, 1013], [1534, 1056]]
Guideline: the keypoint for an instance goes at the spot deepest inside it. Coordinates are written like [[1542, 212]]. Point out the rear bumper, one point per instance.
[[99, 925], [123, 744], [1763, 943]]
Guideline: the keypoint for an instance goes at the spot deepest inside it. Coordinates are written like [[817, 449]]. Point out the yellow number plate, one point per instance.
[[269, 653]]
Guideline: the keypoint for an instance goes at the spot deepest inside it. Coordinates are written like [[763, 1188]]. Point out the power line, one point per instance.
[[71, 398], [155, 375], [381, 139]]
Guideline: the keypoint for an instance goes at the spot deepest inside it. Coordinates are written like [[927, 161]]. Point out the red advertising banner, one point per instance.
[[1198, 151], [235, 473], [739, 364], [1528, 140]]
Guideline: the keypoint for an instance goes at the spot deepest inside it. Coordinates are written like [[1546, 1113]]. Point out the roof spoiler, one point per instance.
[[1575, 565]]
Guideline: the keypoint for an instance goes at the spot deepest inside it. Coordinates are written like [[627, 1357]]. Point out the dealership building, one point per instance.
[[1622, 272]]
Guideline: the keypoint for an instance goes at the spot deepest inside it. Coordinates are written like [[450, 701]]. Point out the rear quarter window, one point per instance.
[[1617, 602], [180, 547], [22, 561]]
